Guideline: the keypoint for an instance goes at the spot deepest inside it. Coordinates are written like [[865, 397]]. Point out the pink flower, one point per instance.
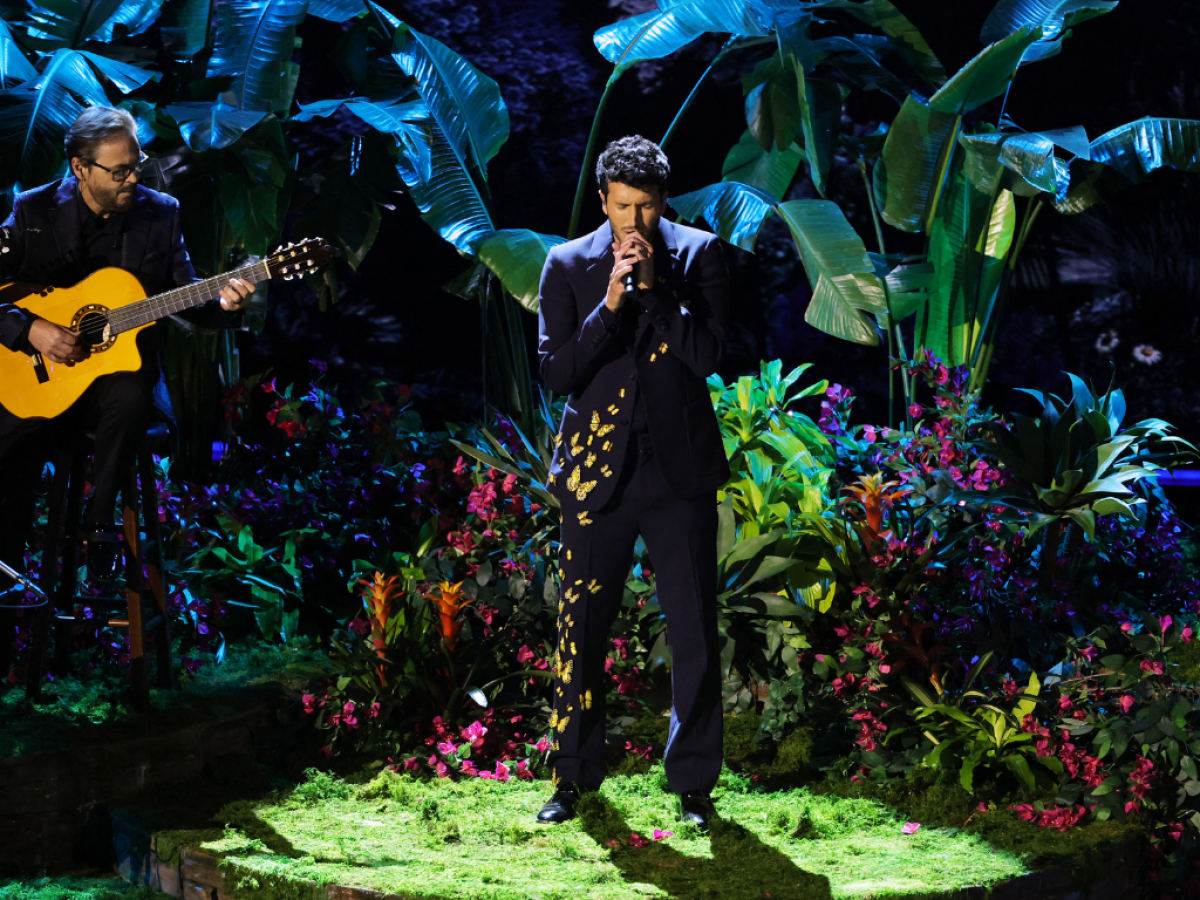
[[1065, 704], [468, 768], [1127, 702], [1186, 634], [412, 764], [523, 773], [661, 835], [473, 734], [636, 841], [348, 715], [1148, 666], [524, 655], [543, 745], [309, 701], [1127, 626], [447, 748], [443, 770], [911, 827], [1088, 653], [915, 410], [502, 772], [374, 713], [1165, 623]]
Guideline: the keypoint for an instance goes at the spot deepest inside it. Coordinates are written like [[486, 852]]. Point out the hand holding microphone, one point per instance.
[[633, 265]]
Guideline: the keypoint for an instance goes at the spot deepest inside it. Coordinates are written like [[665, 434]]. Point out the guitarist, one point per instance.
[[99, 215]]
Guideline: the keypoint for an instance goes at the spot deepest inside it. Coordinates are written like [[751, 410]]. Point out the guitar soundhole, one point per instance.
[[92, 323]]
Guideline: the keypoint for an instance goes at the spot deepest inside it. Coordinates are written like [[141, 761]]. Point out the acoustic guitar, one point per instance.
[[109, 308]]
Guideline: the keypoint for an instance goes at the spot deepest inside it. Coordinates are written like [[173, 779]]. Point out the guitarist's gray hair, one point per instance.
[[95, 126]]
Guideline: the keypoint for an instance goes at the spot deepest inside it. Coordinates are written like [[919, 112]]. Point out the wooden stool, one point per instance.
[[145, 605]]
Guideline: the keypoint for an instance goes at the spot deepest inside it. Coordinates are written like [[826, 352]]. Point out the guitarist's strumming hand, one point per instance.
[[56, 343], [235, 296]]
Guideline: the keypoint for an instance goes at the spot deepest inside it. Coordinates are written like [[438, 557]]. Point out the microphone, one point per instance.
[[629, 281]]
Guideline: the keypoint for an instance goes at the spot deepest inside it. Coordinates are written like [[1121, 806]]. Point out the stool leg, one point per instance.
[[62, 542], [48, 578], [135, 590], [165, 674], [8, 634]]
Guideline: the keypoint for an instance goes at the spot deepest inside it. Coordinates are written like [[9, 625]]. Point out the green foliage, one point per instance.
[[73, 888]]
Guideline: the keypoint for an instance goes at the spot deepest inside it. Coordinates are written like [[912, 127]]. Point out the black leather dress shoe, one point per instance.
[[560, 807], [103, 553], [697, 808]]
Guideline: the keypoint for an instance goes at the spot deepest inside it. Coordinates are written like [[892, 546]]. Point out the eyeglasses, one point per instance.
[[121, 173]]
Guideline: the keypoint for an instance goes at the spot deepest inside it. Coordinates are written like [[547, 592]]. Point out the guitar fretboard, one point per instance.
[[191, 295]]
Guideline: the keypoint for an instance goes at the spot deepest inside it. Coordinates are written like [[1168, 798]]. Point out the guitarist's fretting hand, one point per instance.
[[236, 295], [57, 344]]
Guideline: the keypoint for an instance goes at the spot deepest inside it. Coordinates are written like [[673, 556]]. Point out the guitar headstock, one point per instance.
[[294, 260]]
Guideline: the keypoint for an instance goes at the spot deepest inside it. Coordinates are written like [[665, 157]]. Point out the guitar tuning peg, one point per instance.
[[310, 263]]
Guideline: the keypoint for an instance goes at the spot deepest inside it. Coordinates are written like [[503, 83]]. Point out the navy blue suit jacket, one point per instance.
[[44, 243], [665, 354]]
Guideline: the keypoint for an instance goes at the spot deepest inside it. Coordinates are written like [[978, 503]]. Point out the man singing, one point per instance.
[[639, 452], [58, 234]]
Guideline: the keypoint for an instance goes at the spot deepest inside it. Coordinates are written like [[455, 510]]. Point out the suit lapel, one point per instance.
[[64, 218]]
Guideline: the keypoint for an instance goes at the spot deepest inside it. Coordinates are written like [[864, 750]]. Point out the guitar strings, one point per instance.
[[154, 308]]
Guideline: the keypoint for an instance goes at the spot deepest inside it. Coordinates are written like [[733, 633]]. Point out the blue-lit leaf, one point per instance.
[[124, 77], [212, 126], [907, 40], [447, 198], [134, 16], [771, 171], [734, 211], [985, 77], [1052, 16], [184, 27], [255, 39], [337, 10], [391, 116], [35, 115], [57, 24], [1029, 156], [1138, 148], [517, 257], [838, 268], [465, 103], [859, 59], [905, 178], [14, 67], [674, 25]]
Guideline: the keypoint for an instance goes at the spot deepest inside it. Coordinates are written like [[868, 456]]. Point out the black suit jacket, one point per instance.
[[604, 361], [44, 240]]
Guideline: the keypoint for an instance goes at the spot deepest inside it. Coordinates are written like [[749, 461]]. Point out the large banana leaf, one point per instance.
[[773, 113], [1028, 156], [771, 171], [55, 24], [905, 37], [447, 197], [255, 39], [860, 59], [735, 211], [14, 67], [841, 273], [516, 257], [674, 25], [464, 102], [184, 27], [820, 116], [212, 126], [906, 177], [944, 326], [124, 77], [35, 115], [1054, 17], [337, 10], [986, 76], [1138, 148], [399, 118]]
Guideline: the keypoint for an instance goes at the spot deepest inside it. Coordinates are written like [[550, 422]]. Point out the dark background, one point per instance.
[[1129, 269]]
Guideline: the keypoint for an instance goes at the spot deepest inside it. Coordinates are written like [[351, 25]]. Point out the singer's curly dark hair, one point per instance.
[[635, 161]]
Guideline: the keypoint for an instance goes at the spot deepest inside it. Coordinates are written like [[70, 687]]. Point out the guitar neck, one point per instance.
[[135, 315]]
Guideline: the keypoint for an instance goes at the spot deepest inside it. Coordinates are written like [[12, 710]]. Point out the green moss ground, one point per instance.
[[73, 888], [477, 840], [96, 706]]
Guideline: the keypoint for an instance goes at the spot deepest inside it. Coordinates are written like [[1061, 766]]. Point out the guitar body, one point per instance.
[[32, 387]]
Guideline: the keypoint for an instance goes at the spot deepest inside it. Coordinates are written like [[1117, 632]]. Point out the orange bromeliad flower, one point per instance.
[[876, 496], [377, 600], [449, 603]]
